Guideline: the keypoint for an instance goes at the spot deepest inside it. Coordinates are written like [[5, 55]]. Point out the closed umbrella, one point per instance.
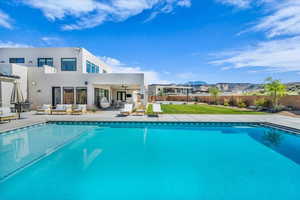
[[17, 98]]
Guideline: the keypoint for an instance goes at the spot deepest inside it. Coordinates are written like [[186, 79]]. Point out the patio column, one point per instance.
[[90, 96]]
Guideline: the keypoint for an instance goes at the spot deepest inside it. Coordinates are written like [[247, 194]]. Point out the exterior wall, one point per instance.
[[86, 55], [31, 56], [7, 86], [37, 82], [6, 89], [41, 83], [291, 101]]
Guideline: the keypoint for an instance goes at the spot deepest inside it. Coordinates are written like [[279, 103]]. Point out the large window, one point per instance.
[[16, 60], [68, 95], [91, 67], [68, 64], [45, 61], [121, 96], [81, 95]]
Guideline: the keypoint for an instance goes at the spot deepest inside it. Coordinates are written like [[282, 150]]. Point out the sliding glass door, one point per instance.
[[68, 95], [81, 95], [56, 96]]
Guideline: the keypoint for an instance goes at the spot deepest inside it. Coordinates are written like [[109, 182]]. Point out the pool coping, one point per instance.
[[288, 129]]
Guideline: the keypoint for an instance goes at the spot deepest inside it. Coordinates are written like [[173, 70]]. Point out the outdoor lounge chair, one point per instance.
[[140, 111], [62, 109], [6, 114], [127, 109], [80, 109], [45, 109], [156, 109]]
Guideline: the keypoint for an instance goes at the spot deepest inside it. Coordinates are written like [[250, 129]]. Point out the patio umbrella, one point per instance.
[[17, 98]]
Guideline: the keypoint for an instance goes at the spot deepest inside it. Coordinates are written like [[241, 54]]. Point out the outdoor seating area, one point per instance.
[[62, 109], [6, 114]]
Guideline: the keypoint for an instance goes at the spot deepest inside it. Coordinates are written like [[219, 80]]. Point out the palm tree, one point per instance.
[[275, 89], [214, 91]]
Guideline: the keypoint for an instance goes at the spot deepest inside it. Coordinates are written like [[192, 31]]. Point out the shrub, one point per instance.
[[226, 102], [260, 102], [231, 102], [240, 103], [264, 103]]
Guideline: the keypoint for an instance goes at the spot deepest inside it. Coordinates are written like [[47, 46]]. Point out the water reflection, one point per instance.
[[286, 144], [89, 158], [19, 143], [272, 138], [22, 147], [145, 135]]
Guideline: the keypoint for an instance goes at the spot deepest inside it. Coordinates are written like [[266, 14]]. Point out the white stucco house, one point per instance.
[[68, 76]]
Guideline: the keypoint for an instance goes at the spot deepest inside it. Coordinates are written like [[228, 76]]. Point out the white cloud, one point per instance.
[[280, 54], [276, 55], [185, 3], [186, 76], [119, 67], [10, 44], [237, 3], [50, 40], [283, 20], [5, 20], [91, 13]]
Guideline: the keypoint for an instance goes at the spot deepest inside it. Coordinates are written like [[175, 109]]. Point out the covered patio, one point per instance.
[[116, 95]]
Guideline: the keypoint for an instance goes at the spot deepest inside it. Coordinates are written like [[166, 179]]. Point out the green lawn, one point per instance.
[[200, 109]]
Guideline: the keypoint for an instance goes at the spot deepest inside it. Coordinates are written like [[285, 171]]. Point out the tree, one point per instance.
[[275, 89], [214, 91]]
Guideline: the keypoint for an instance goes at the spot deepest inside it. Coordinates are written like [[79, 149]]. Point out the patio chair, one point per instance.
[[80, 109], [127, 109], [62, 109], [6, 114], [45, 109], [140, 111], [156, 109]]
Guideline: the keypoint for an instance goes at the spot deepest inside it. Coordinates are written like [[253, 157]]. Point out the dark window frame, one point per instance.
[[38, 62], [15, 61], [61, 65], [77, 95]]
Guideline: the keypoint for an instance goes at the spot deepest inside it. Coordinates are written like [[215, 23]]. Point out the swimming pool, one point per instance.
[[185, 161]]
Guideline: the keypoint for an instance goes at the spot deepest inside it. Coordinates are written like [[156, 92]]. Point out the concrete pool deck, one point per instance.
[[109, 116]]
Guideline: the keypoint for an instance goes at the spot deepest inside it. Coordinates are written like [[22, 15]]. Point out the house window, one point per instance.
[[45, 61], [91, 67], [16, 60], [88, 67], [81, 95], [68, 64], [68, 95]]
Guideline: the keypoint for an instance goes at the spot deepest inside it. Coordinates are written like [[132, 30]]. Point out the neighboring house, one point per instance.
[[168, 90], [69, 76]]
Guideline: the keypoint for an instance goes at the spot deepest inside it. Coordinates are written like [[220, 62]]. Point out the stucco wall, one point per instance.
[[31, 56], [6, 89], [40, 83], [86, 55], [7, 86]]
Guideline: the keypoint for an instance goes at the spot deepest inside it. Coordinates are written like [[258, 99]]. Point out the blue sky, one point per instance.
[[168, 40]]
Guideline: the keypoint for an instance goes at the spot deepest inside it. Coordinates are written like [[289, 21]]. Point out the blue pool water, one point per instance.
[[167, 161]]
